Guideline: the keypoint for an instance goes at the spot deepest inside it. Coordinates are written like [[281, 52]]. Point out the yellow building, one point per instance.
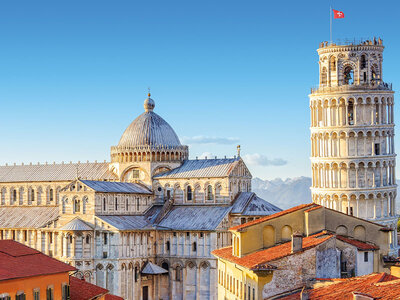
[[283, 252]]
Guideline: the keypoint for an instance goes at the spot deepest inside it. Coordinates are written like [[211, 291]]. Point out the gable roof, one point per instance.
[[202, 168], [138, 222], [276, 215], [260, 259], [359, 244], [376, 285], [193, 217], [55, 172], [27, 216], [76, 224], [19, 261], [116, 187], [249, 204], [153, 269]]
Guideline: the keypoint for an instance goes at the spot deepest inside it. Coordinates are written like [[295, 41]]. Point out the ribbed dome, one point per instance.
[[149, 129]]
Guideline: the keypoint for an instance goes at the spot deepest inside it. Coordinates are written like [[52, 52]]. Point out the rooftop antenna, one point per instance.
[[238, 150], [149, 94]]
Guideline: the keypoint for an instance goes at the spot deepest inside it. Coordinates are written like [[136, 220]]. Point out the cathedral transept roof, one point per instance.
[[27, 216], [116, 187]]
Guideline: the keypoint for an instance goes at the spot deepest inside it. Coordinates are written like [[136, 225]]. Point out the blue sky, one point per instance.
[[74, 74]]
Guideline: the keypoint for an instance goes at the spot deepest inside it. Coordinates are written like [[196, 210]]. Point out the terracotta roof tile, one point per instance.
[[83, 290], [276, 215], [378, 285], [112, 297], [359, 244], [259, 259], [19, 261]]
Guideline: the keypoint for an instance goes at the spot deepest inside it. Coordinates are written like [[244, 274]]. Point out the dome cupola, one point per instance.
[[149, 138]]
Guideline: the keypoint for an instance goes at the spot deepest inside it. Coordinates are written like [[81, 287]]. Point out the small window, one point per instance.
[[14, 195], [51, 195], [189, 193], [50, 237], [36, 295], [127, 204], [32, 195], [20, 296], [77, 206], [168, 194], [167, 245], [137, 204], [104, 204], [65, 292], [49, 293], [105, 238], [104, 254], [178, 275], [377, 149], [365, 256], [201, 234], [88, 239], [116, 204], [136, 274], [25, 235], [210, 193], [194, 247]]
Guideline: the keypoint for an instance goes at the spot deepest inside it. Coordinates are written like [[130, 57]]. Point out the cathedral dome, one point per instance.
[[149, 138], [149, 129]]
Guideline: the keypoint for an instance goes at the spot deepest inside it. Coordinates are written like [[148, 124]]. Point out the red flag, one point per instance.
[[338, 14]]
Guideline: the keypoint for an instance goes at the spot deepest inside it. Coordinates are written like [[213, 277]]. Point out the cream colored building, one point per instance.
[[352, 134], [142, 225]]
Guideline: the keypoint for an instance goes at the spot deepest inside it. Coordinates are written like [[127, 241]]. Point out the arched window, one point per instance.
[[189, 195], [104, 204], [32, 195], [51, 195], [77, 206], [348, 75], [167, 245], [116, 204], [350, 111], [14, 195], [363, 62], [178, 273], [194, 247], [88, 239], [210, 195], [333, 63], [136, 274], [165, 266]]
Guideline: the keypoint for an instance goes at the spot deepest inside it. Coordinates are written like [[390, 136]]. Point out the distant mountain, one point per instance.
[[284, 193], [290, 192]]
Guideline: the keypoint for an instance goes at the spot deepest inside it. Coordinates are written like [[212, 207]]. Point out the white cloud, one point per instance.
[[257, 159], [206, 154], [200, 139]]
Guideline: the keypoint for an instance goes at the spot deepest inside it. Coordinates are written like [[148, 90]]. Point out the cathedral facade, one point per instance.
[[142, 225], [352, 134]]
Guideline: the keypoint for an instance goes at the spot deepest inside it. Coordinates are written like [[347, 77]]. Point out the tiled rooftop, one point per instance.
[[19, 261], [377, 285], [260, 258], [83, 290], [359, 244]]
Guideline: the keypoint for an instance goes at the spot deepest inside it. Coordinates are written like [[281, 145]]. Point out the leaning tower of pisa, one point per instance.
[[352, 134]]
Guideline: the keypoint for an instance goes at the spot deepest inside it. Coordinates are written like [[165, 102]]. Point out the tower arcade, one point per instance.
[[352, 134]]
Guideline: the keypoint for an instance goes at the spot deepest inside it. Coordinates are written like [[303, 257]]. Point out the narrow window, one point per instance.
[[189, 193], [65, 292], [32, 195], [14, 195], [351, 210], [365, 256], [25, 235], [194, 247], [178, 273], [13, 235], [49, 294], [36, 295], [105, 236], [168, 194], [116, 204], [136, 274], [377, 149], [104, 204], [50, 237], [350, 113], [20, 296], [167, 244], [77, 206], [87, 239], [137, 204], [51, 195], [127, 204], [363, 62], [209, 193]]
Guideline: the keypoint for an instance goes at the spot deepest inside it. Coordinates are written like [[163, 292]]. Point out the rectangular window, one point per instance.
[[65, 292], [377, 149], [105, 236], [20, 296], [365, 256], [49, 294], [36, 295], [104, 254], [25, 235]]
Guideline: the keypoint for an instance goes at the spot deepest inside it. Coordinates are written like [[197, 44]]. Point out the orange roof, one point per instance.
[[257, 260], [112, 297], [19, 261], [359, 244], [278, 214], [377, 285], [83, 290]]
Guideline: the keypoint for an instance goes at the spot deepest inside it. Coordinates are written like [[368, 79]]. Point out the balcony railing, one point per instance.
[[378, 85]]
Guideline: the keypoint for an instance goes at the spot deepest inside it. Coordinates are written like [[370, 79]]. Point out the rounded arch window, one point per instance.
[[132, 174], [210, 195], [189, 193], [348, 75]]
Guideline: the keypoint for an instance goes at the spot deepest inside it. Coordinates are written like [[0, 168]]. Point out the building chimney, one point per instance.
[[297, 242]]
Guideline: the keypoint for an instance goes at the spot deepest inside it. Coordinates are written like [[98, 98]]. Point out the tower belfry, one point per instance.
[[352, 134]]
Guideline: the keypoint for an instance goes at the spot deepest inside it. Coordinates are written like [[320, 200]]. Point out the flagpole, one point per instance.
[[330, 18]]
